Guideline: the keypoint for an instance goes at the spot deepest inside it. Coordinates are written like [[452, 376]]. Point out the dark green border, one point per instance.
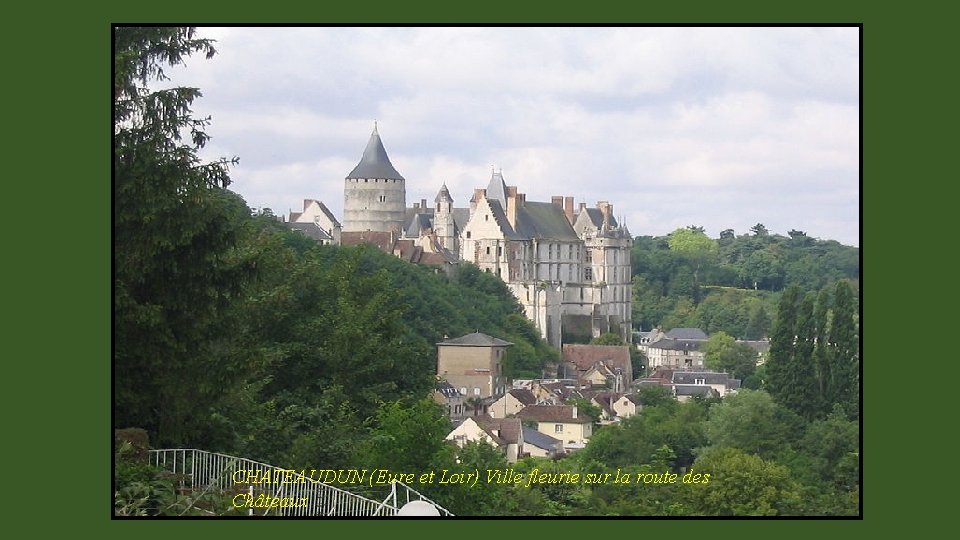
[[59, 72]]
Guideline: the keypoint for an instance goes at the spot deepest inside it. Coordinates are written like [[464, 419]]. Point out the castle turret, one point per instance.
[[443, 224], [374, 193]]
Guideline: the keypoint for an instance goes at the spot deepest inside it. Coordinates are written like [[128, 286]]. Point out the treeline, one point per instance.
[[233, 333], [731, 283]]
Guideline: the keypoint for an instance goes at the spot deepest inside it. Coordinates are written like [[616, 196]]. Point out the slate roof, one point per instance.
[[311, 230], [541, 440], [544, 220], [476, 339], [497, 188], [443, 195], [447, 390], [669, 344], [694, 390], [596, 217], [375, 163], [416, 224], [709, 377], [554, 413], [687, 333], [524, 395]]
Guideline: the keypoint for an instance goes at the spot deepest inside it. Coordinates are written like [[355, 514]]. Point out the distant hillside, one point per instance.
[[730, 283]]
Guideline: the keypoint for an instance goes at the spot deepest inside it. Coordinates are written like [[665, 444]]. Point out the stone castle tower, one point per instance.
[[443, 224], [374, 193]]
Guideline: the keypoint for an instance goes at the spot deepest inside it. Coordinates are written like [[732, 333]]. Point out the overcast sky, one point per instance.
[[718, 127]]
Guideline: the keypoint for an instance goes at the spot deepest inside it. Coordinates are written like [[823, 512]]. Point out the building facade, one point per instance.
[[569, 266]]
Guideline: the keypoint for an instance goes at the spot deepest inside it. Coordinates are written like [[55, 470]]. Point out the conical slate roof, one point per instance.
[[497, 189], [443, 195], [375, 163]]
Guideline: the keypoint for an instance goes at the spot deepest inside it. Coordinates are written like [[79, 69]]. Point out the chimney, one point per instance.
[[557, 201], [477, 194], [606, 209], [568, 208], [416, 206], [574, 412], [513, 201], [306, 203], [423, 204]]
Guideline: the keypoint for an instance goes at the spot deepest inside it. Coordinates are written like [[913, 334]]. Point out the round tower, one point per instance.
[[374, 193]]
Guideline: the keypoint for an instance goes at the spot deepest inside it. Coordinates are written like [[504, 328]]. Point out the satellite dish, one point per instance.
[[418, 508]]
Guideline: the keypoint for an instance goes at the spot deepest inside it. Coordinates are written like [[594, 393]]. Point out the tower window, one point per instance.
[[383, 198]]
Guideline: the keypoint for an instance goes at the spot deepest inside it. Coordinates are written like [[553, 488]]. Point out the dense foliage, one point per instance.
[[730, 284]]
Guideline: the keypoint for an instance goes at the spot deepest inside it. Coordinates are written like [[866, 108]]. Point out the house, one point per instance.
[[685, 392], [473, 364], [561, 422], [511, 403], [503, 433], [601, 365], [536, 444], [615, 406], [722, 383], [317, 222], [451, 400], [675, 353]]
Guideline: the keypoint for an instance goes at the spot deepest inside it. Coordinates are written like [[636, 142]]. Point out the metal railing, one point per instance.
[[262, 489]]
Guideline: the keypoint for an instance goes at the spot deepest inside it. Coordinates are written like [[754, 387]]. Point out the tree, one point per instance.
[[759, 230], [694, 246], [804, 395], [790, 373], [723, 353], [174, 227], [751, 421], [758, 325], [844, 351], [741, 484]]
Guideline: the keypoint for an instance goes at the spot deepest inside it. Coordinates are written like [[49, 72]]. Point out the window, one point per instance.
[[558, 428], [476, 391], [549, 251], [588, 273], [468, 234], [463, 390], [570, 251], [486, 217], [699, 381], [488, 250], [589, 256], [383, 198], [499, 251]]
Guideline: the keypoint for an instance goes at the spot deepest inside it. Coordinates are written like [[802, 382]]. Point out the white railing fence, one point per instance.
[[262, 489]]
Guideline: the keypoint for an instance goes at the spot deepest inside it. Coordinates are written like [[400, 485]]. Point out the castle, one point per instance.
[[569, 266]]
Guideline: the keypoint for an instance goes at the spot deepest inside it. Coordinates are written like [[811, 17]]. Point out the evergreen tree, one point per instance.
[[804, 396], [782, 345], [174, 225], [821, 352], [758, 325], [844, 350]]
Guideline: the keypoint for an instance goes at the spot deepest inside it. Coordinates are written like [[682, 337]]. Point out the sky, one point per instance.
[[718, 127]]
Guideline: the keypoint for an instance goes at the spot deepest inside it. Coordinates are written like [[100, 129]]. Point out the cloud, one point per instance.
[[718, 126]]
